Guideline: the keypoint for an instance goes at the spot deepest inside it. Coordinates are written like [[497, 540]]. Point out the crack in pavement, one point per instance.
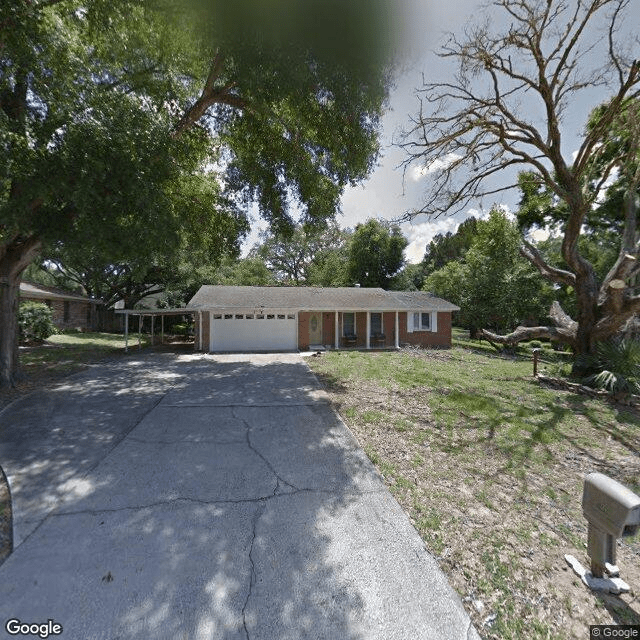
[[252, 578], [182, 441], [81, 476], [279, 479], [258, 499]]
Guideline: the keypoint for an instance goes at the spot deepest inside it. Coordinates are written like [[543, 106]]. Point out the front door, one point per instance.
[[315, 328]]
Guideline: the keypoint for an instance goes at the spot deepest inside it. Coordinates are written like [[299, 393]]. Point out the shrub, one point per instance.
[[35, 322], [535, 344]]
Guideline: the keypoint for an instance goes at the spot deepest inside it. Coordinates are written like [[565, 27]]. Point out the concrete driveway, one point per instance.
[[194, 497]]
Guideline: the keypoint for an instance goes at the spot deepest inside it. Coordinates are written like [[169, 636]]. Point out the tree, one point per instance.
[[494, 286], [450, 246], [292, 257], [375, 254], [108, 108], [475, 122]]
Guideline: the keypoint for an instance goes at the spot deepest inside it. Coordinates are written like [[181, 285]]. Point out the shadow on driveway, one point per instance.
[[197, 497]]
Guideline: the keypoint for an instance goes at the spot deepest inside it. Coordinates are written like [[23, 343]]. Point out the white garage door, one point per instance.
[[244, 332]]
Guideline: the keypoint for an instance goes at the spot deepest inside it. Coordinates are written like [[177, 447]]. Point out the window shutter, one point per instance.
[[434, 321], [410, 321]]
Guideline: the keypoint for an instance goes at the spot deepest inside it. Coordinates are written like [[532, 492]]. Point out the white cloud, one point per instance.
[[602, 194], [420, 235], [418, 173]]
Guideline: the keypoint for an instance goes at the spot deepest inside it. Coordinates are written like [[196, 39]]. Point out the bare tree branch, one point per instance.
[[528, 333], [559, 276], [210, 95]]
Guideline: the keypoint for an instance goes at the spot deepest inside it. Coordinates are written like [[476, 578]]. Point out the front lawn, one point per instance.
[[68, 352], [489, 465]]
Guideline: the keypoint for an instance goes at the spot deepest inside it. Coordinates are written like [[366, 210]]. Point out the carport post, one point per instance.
[[337, 332], [140, 331], [397, 332], [162, 329], [153, 318], [126, 333], [200, 327]]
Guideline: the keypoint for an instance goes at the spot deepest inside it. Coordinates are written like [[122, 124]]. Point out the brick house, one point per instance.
[[291, 318], [68, 310]]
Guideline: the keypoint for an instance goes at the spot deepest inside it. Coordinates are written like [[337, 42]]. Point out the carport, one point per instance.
[[153, 314]]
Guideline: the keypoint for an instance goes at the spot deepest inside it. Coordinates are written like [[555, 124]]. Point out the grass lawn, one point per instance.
[[489, 465], [68, 352], [62, 355]]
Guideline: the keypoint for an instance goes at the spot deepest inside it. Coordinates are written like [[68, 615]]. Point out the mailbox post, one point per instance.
[[612, 511]]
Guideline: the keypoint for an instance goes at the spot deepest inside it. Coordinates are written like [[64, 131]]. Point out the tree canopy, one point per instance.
[[494, 286], [375, 254], [122, 123], [473, 132]]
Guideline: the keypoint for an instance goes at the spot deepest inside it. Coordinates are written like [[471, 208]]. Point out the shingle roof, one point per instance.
[[222, 297], [40, 292]]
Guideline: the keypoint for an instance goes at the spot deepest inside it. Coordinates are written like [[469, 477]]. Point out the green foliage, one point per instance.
[[99, 165], [494, 286], [616, 366], [35, 322], [451, 246], [300, 257], [375, 254], [411, 278]]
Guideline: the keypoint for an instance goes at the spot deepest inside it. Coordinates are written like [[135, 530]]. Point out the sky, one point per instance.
[[388, 194]]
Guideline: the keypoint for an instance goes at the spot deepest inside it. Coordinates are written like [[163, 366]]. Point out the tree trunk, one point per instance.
[[9, 297], [14, 259], [587, 316]]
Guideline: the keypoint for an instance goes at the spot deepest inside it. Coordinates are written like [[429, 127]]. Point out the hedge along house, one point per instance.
[[300, 318], [68, 310]]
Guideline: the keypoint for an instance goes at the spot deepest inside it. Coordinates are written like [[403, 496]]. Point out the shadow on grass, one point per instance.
[[619, 610]]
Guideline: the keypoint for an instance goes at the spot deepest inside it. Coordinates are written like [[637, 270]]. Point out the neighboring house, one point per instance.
[[69, 310], [291, 318]]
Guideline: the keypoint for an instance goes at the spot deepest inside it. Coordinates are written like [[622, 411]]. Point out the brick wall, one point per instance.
[[303, 330], [70, 314], [206, 319], [440, 338]]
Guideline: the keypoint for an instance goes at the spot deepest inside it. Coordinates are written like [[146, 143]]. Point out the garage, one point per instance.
[[253, 332]]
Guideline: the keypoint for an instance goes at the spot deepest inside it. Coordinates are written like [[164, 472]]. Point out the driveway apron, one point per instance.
[[191, 497]]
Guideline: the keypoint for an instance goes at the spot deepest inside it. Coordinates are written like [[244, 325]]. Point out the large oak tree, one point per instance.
[[108, 107], [504, 110]]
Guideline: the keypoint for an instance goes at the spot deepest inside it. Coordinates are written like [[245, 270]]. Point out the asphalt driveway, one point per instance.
[[199, 497]]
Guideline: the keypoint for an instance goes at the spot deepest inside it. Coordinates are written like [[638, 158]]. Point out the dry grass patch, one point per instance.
[[489, 466]]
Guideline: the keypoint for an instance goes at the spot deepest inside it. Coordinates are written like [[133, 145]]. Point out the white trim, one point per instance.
[[409, 321], [397, 331], [434, 321], [368, 335], [336, 331]]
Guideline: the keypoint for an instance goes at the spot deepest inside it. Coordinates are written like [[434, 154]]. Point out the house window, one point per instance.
[[376, 324], [67, 313], [348, 324], [422, 321]]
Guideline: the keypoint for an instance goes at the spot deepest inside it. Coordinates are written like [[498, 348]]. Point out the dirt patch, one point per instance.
[[498, 521]]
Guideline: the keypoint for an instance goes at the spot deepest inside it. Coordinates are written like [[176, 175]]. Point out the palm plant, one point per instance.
[[616, 367]]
